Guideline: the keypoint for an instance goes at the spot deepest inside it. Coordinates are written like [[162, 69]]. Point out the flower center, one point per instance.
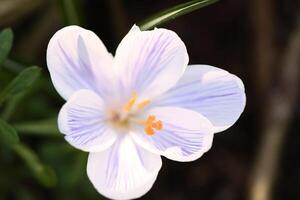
[[125, 118]]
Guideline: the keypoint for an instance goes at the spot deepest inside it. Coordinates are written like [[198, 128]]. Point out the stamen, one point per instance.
[[159, 125], [143, 104], [150, 119], [131, 102], [151, 125], [149, 130]]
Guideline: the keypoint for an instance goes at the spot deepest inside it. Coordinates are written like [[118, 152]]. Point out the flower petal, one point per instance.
[[149, 62], [185, 134], [77, 59], [124, 171], [82, 119], [213, 92]]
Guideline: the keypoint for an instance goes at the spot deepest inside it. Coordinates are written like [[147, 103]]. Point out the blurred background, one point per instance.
[[256, 159]]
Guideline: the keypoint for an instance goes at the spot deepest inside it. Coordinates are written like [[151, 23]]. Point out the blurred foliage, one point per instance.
[[8, 135], [6, 39], [20, 83], [71, 12], [44, 174]]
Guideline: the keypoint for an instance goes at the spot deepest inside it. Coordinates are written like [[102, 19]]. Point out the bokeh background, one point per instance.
[[256, 159]]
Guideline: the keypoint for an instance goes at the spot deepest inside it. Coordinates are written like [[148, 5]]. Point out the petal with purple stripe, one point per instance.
[[124, 171], [213, 92], [83, 122], [149, 62], [77, 59], [185, 134]]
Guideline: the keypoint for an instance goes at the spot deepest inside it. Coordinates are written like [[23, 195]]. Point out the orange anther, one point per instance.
[[150, 119], [159, 125], [149, 130], [154, 125], [151, 125]]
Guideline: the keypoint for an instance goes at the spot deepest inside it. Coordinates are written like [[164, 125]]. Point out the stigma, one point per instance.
[[132, 103], [128, 106]]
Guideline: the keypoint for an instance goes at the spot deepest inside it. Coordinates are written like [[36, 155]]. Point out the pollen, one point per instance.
[[151, 125]]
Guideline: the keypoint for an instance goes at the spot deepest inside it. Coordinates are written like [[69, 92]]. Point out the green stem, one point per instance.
[[71, 12], [43, 173], [39, 128]]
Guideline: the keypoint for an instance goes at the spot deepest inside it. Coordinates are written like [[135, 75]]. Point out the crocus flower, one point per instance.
[[145, 102]]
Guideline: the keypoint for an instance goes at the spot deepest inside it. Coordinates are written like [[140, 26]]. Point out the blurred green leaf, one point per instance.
[[6, 40], [43, 173], [10, 107], [174, 12], [8, 135], [13, 66], [41, 128], [70, 167], [20, 83]]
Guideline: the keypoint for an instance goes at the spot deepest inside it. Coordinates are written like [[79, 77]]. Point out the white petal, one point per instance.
[[213, 92], [185, 135], [77, 59], [149, 62], [124, 171], [82, 119]]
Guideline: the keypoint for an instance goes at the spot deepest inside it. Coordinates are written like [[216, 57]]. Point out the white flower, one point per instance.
[[144, 102]]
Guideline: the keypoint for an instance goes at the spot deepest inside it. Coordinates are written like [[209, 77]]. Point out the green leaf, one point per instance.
[[6, 40], [174, 12], [8, 135], [43, 173], [20, 83]]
